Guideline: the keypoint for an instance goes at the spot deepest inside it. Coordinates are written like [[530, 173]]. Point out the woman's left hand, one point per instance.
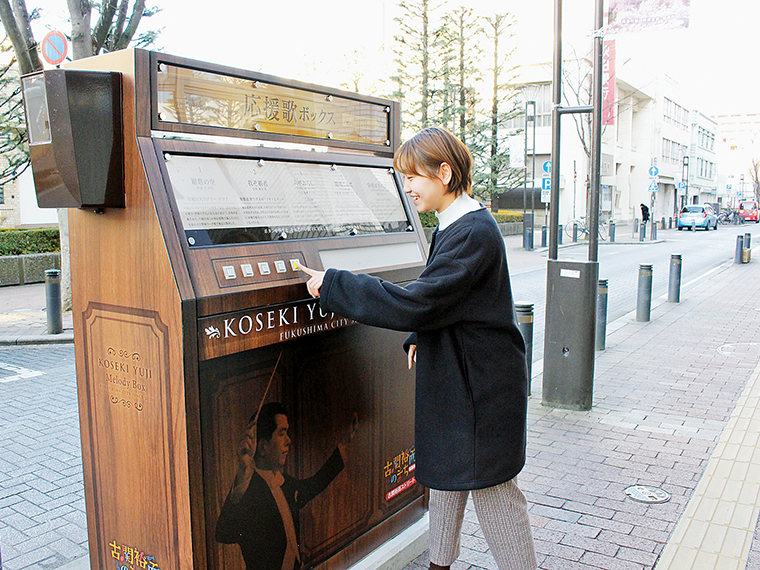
[[315, 279]]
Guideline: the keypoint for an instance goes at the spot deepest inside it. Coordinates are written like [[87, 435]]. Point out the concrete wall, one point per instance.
[[26, 269]]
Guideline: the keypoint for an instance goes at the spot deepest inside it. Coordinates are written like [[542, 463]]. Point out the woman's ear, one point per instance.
[[444, 172]]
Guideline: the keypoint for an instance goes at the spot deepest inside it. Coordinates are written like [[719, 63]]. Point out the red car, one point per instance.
[[748, 211]]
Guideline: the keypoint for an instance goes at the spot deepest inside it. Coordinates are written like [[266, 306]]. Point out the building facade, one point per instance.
[[655, 150]]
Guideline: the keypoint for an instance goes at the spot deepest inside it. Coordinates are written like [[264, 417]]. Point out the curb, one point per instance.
[[62, 338]]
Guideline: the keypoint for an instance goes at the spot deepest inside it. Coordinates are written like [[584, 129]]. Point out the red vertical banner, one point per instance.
[[608, 83]]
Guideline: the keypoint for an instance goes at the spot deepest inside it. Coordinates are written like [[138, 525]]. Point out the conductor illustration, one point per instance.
[[260, 513]]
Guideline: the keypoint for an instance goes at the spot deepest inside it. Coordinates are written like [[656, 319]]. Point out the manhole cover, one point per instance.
[[644, 494]]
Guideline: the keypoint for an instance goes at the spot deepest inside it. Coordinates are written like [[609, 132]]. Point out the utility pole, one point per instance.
[[571, 287]]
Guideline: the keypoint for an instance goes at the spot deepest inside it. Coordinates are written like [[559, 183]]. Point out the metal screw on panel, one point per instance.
[[260, 163], [162, 68], [333, 167], [387, 142], [257, 127], [329, 135], [167, 156]]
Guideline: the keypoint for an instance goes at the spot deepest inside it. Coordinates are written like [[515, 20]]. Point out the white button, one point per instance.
[[264, 268], [294, 264], [247, 269], [229, 271], [279, 265]]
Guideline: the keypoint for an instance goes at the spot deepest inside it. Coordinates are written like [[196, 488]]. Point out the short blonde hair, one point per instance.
[[424, 153]]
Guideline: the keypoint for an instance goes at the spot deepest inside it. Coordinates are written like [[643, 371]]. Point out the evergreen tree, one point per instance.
[[413, 47], [493, 174]]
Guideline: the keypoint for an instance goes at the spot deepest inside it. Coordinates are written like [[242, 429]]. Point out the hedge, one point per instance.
[[38, 240], [429, 219]]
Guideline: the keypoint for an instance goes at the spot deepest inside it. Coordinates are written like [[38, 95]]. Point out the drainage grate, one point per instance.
[[644, 494]]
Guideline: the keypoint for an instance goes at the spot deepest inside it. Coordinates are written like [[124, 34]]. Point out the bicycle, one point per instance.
[[583, 230]]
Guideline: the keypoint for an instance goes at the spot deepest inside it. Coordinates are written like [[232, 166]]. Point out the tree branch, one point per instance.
[[100, 33], [134, 21], [81, 34], [14, 33]]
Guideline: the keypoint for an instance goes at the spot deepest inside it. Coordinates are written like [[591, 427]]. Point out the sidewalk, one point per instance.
[[676, 408], [23, 319]]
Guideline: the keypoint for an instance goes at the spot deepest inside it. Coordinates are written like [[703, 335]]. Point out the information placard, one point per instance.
[[230, 200], [202, 98]]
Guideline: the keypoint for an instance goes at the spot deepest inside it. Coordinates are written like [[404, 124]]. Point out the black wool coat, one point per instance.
[[471, 374]]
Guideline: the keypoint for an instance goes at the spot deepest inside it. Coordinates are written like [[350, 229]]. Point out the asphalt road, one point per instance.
[[701, 254]]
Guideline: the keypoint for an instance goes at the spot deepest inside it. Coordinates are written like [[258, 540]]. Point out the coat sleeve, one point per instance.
[[424, 304], [314, 485]]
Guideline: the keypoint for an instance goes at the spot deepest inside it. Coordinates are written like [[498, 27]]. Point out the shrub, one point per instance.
[[429, 219], [38, 240]]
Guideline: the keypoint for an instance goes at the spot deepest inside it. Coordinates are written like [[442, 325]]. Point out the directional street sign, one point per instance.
[[548, 167], [653, 186], [653, 171]]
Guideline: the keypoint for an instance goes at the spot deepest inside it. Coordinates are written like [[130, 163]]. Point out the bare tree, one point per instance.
[[754, 176], [116, 29]]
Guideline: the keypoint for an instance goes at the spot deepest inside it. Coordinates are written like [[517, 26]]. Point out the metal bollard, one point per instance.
[[693, 226], [747, 240], [543, 236], [575, 233], [601, 315], [559, 235], [635, 225], [644, 297], [524, 315], [674, 284], [654, 230], [612, 232], [53, 301], [663, 223], [670, 223], [643, 232], [739, 249]]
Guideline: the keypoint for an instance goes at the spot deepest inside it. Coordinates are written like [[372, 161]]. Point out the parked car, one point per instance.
[[748, 211], [699, 216]]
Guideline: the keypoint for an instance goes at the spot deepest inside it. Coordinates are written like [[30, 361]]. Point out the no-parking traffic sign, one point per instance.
[[55, 46]]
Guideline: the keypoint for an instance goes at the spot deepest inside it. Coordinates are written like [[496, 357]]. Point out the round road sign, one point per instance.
[[55, 46]]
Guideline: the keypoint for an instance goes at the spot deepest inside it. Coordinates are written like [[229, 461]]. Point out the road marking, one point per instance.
[[17, 373]]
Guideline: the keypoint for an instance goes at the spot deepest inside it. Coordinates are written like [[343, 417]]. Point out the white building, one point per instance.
[[737, 148], [703, 167], [645, 145]]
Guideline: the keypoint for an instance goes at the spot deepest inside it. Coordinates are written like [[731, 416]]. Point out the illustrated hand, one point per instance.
[[315, 279], [246, 463], [348, 435], [412, 355], [247, 448]]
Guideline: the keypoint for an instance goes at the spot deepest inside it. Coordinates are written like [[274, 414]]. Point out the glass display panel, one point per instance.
[[237, 200], [35, 102], [196, 97]]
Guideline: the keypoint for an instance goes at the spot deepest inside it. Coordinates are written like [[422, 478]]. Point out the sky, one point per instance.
[[714, 59]]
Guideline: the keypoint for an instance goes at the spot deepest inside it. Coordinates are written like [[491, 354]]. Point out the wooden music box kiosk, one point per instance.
[[195, 190]]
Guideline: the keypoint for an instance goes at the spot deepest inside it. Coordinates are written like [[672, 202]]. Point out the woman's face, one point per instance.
[[430, 194]]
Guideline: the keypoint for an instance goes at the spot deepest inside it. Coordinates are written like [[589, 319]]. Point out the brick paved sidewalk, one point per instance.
[[664, 392], [664, 396]]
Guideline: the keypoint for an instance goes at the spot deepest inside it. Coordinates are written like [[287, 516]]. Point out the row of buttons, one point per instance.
[[264, 268]]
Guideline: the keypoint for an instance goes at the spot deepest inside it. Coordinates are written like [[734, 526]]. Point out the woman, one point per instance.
[[471, 378]]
